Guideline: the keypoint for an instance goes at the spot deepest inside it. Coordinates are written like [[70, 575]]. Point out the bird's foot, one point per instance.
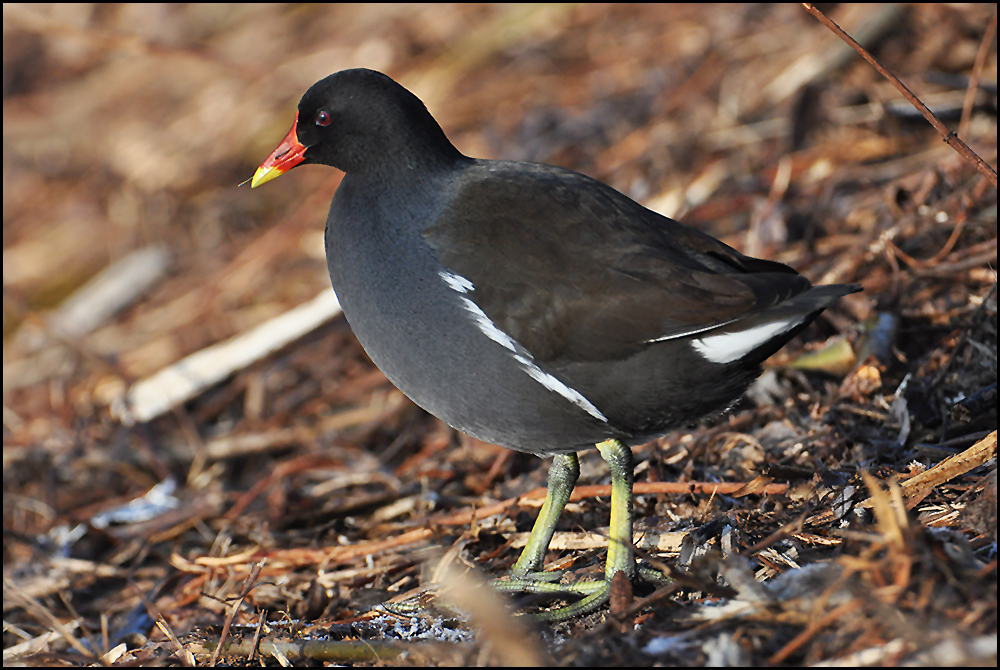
[[591, 594], [651, 575], [418, 602]]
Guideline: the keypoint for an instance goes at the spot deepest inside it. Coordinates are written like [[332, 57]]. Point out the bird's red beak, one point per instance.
[[288, 154]]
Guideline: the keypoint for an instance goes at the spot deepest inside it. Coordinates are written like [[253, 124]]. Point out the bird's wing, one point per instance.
[[576, 271]]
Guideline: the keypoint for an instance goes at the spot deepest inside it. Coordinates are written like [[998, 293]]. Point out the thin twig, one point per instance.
[[248, 585], [256, 636], [977, 70], [951, 138], [814, 628]]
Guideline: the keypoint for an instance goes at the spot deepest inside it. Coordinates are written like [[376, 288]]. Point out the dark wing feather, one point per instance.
[[576, 271]]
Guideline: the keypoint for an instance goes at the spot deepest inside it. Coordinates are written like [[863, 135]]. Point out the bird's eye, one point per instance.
[[323, 118]]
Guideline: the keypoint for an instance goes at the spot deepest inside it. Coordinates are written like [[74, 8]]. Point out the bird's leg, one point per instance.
[[563, 474], [619, 459], [527, 575]]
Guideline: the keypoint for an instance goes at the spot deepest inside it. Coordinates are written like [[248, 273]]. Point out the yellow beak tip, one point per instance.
[[264, 175]]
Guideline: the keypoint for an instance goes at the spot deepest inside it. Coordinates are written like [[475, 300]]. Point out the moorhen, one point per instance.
[[529, 305]]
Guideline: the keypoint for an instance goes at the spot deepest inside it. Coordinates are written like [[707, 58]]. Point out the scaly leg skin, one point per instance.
[[563, 473], [527, 575]]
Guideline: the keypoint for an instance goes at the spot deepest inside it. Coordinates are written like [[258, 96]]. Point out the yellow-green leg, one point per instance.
[[527, 575], [563, 473]]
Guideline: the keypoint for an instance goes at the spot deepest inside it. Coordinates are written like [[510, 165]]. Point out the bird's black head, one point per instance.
[[360, 121]]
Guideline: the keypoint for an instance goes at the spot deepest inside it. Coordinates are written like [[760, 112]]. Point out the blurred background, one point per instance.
[[129, 244]]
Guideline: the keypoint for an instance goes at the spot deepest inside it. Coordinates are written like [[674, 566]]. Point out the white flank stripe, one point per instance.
[[728, 347], [688, 333], [485, 324], [456, 282], [553, 384]]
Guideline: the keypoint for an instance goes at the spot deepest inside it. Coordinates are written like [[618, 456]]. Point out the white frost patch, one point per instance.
[[728, 347]]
